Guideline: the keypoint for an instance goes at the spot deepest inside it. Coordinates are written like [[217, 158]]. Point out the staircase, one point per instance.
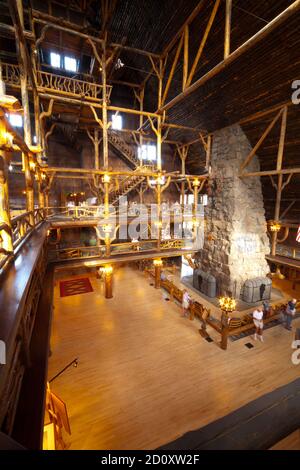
[[124, 150], [127, 185]]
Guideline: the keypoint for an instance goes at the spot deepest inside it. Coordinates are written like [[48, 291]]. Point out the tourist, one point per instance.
[[258, 315], [290, 313], [185, 302]]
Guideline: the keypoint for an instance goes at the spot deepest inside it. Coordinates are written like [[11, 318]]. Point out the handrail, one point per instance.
[[57, 83]]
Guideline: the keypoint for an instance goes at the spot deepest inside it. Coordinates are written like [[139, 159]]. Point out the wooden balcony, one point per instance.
[[60, 84]]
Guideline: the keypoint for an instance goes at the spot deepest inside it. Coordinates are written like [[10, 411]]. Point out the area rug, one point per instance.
[[75, 287]]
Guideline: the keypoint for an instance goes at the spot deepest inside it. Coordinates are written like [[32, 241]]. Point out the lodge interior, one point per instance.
[[149, 150]]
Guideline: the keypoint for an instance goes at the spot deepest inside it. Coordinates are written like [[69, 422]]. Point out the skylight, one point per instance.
[[70, 64], [55, 60], [117, 122]]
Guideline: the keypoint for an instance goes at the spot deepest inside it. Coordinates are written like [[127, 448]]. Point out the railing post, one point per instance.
[[7, 240]]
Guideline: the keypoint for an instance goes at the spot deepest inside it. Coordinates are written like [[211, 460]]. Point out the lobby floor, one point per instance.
[[145, 375]]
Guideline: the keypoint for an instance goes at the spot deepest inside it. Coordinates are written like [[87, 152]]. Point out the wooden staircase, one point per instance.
[[127, 185], [124, 150]]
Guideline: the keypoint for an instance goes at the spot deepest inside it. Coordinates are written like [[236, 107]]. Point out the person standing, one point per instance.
[[258, 315], [185, 303], [290, 313]]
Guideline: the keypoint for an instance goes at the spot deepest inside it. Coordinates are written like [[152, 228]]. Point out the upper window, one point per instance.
[[55, 60], [147, 152], [16, 120], [116, 122], [70, 64]]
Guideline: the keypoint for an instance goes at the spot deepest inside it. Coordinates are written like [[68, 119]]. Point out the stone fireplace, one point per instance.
[[236, 241]]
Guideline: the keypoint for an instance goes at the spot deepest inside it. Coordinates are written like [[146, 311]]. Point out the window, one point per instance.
[[117, 122], [70, 64], [147, 152], [55, 60], [16, 120]]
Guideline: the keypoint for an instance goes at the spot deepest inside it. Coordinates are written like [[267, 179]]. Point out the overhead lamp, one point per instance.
[[227, 304], [157, 262]]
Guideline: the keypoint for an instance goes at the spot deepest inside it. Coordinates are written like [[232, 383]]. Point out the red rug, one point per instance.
[[75, 287]]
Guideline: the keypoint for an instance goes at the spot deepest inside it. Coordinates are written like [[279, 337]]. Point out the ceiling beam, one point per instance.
[[265, 31]]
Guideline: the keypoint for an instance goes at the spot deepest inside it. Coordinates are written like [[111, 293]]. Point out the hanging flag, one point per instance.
[[298, 235]]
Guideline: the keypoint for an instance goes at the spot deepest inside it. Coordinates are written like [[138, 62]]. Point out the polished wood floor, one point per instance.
[[145, 375]]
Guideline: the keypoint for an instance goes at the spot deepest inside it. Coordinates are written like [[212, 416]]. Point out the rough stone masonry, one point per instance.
[[236, 240]]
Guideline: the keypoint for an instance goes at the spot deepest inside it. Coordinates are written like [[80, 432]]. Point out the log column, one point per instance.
[[27, 126], [108, 274], [157, 268], [7, 241]]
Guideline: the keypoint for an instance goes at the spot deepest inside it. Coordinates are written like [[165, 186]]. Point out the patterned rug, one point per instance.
[[75, 287]]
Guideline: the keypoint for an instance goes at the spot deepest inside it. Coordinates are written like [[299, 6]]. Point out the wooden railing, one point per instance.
[[21, 227], [47, 81], [123, 248], [288, 251], [23, 224]]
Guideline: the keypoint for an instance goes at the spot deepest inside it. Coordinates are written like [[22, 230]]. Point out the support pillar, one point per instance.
[[7, 241], [157, 270], [108, 273]]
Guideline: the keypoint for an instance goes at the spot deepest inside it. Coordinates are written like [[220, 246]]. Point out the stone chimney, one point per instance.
[[236, 240]]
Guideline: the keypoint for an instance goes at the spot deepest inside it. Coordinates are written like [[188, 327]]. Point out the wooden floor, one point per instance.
[[291, 442], [145, 375]]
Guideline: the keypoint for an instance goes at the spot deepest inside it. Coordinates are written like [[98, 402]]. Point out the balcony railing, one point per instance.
[[124, 248], [21, 227], [288, 251], [60, 84]]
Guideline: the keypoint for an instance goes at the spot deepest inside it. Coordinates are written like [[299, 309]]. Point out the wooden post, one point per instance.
[[104, 110], [225, 331], [227, 28], [27, 126], [7, 241], [157, 276], [185, 57], [280, 177], [108, 272], [159, 216]]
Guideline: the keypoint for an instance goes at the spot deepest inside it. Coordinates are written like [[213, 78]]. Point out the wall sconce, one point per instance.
[[32, 165], [157, 262], [24, 191], [274, 226], [10, 167], [161, 180], [43, 176], [107, 228], [227, 304], [106, 178], [6, 138]]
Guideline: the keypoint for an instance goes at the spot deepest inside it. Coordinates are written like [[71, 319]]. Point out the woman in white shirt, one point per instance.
[[258, 315]]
